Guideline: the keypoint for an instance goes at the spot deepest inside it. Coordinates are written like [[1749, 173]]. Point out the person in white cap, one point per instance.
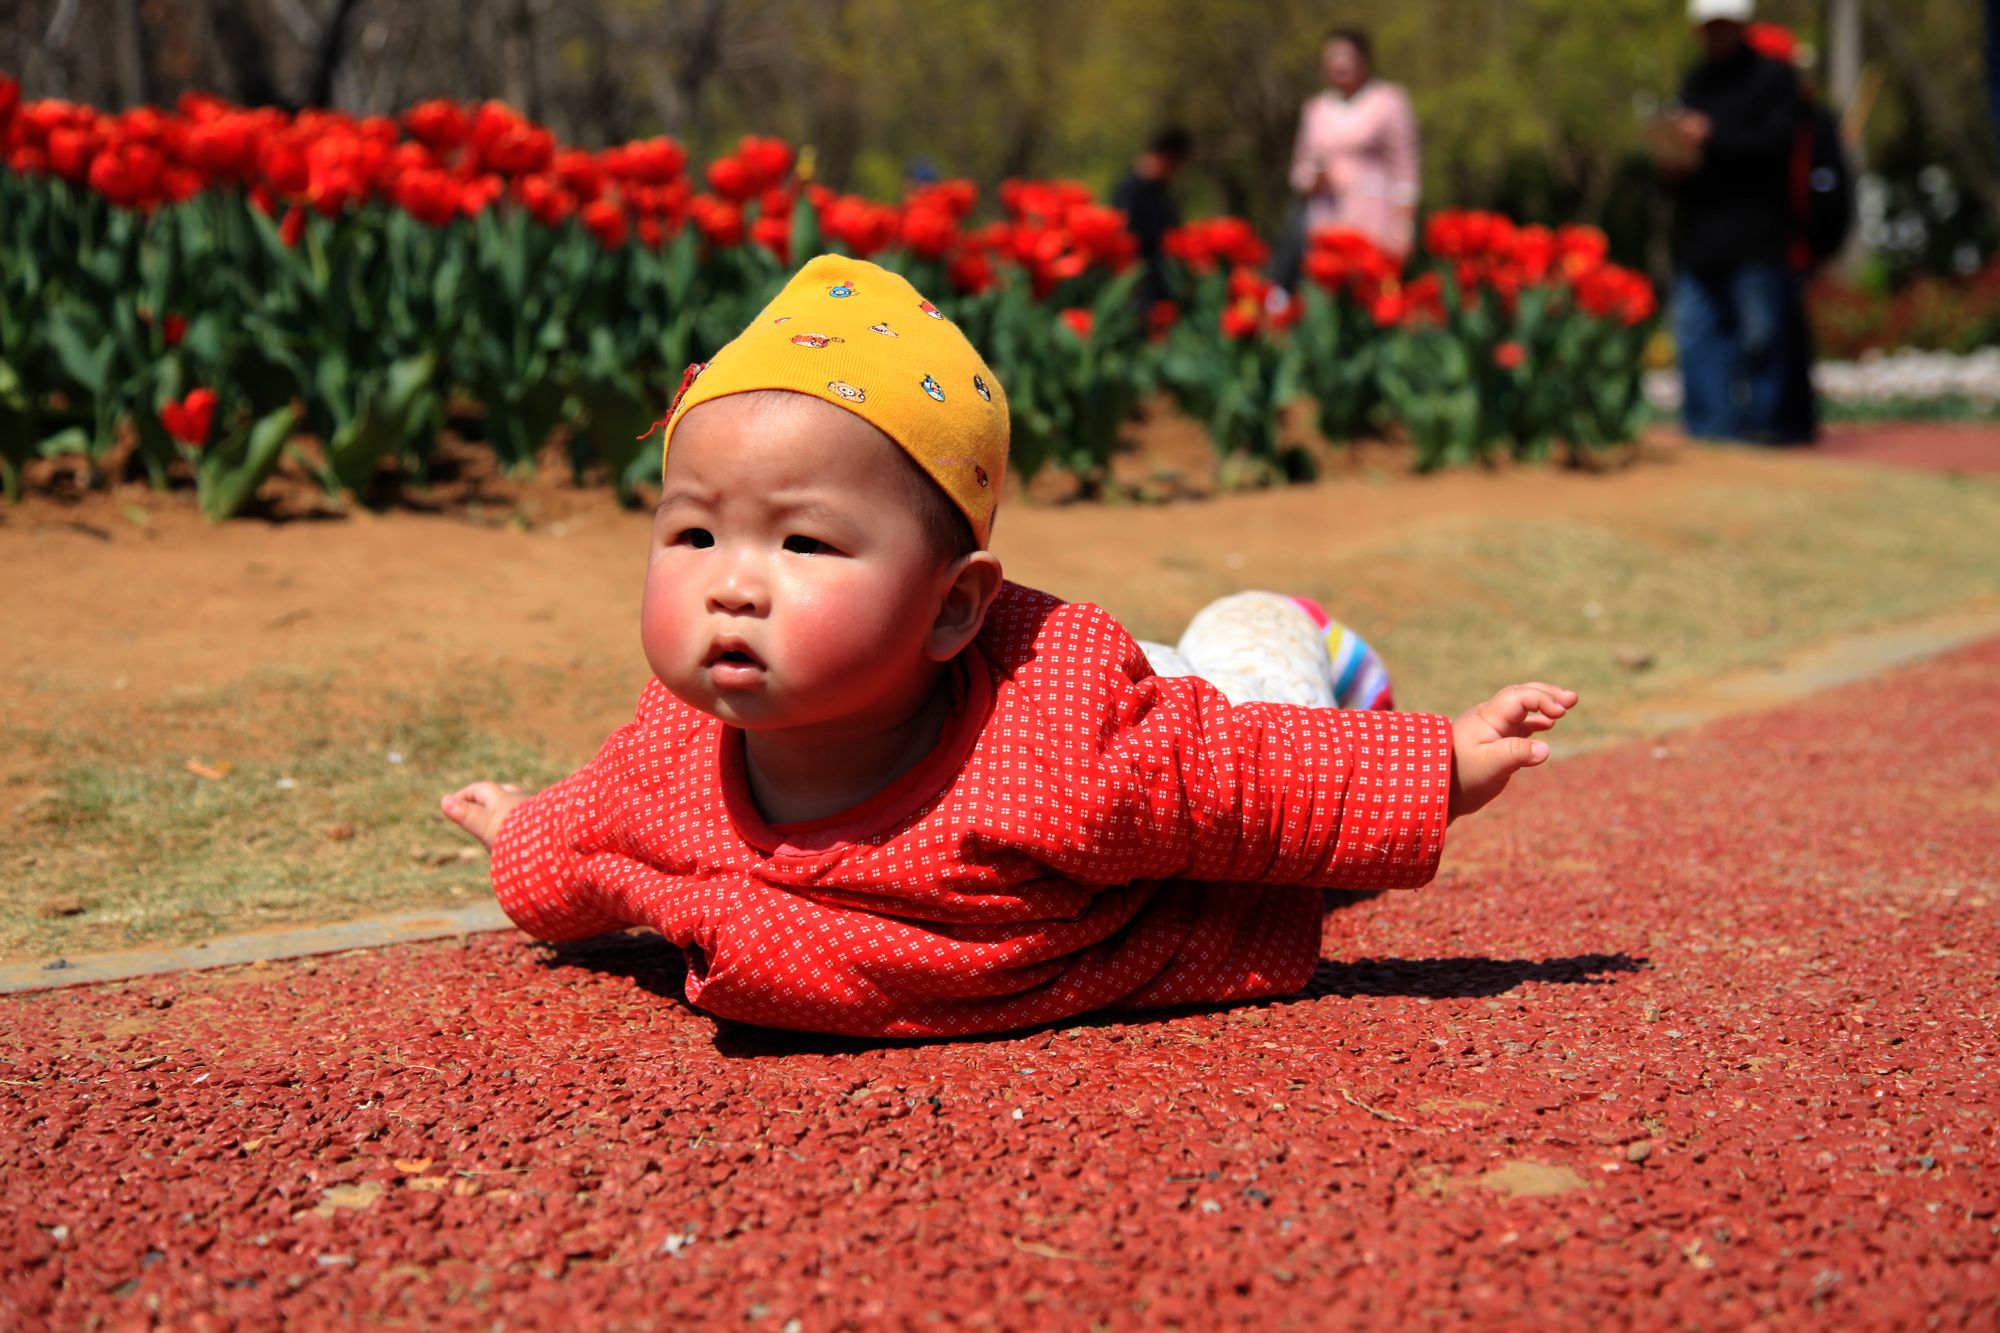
[[1736, 299]]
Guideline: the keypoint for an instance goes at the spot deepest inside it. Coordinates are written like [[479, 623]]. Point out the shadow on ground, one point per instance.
[[1461, 978], [657, 967]]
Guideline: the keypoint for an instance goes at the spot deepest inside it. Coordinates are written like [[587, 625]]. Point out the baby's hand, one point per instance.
[[1489, 744], [481, 808]]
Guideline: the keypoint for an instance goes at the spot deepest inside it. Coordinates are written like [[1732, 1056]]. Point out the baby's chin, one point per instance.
[[751, 711]]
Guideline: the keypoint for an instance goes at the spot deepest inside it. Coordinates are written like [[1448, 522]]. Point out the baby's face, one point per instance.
[[790, 586]]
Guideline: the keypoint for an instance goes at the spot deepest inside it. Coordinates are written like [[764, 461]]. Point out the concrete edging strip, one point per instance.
[[1834, 662], [264, 946]]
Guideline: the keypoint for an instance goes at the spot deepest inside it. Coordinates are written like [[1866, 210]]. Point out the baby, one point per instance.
[[875, 789]]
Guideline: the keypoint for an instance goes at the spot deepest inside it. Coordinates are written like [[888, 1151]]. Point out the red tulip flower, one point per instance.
[[1079, 321], [1509, 355], [1617, 294], [580, 174], [189, 420], [508, 143], [172, 330], [971, 272], [438, 124], [732, 179], [1101, 235], [283, 165], [765, 162], [775, 235], [649, 161], [860, 225], [546, 201], [1580, 250], [1239, 319], [930, 230], [1424, 300], [428, 195], [1211, 243], [70, 152], [607, 222], [955, 197], [127, 175], [719, 221], [224, 147], [475, 194]]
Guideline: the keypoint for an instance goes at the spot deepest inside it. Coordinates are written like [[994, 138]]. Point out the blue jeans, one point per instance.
[[1740, 330]]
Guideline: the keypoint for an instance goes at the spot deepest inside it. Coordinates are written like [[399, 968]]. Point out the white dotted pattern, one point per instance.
[[1111, 838]]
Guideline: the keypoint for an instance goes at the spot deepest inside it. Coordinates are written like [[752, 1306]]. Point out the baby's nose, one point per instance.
[[738, 586]]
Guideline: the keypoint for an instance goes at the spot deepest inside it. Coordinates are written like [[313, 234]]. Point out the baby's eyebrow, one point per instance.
[[679, 499], [806, 510]]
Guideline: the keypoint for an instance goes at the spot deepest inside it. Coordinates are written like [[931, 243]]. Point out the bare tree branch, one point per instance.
[[326, 58], [134, 69], [60, 23], [306, 30], [246, 56]]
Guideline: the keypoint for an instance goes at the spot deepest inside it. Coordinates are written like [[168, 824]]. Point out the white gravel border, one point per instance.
[[1879, 377]]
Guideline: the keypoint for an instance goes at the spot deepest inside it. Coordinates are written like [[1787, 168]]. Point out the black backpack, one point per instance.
[[1828, 206]]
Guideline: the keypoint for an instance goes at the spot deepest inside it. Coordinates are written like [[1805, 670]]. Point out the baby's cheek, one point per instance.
[[824, 629], [833, 623], [664, 621]]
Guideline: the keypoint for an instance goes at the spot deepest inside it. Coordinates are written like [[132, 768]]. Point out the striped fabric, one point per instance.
[[1271, 648]]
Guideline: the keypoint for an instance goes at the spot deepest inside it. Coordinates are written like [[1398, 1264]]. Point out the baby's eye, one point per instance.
[[699, 538], [805, 545]]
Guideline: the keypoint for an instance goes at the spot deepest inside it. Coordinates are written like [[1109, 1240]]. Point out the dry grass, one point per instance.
[[1722, 581], [122, 845]]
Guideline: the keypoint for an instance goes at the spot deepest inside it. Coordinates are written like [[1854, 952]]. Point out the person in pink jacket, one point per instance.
[[1355, 160], [876, 789]]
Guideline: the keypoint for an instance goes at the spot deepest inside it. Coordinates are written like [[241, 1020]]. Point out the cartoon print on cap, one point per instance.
[[979, 387], [884, 329], [933, 388], [847, 391], [980, 473], [782, 319], [814, 340], [840, 290], [930, 310]]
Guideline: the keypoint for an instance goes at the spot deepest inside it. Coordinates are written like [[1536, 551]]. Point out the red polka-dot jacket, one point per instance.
[[1085, 835]]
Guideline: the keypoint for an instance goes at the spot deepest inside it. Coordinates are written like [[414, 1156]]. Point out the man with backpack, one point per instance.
[[1733, 163]]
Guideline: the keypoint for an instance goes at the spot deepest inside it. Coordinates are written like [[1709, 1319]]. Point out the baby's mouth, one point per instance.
[[731, 654]]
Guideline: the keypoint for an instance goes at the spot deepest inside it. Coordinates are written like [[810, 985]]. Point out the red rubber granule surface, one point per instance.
[[1696, 1034]]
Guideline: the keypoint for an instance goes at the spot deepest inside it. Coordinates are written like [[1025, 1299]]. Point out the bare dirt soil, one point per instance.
[[117, 601]]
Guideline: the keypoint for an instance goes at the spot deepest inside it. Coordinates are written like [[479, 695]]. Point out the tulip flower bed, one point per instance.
[[198, 291]]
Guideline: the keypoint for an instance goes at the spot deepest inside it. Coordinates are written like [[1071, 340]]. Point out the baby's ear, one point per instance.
[[971, 583]]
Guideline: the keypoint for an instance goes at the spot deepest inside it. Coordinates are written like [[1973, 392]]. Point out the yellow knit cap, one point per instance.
[[860, 337]]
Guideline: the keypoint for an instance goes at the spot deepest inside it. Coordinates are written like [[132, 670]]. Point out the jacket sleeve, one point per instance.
[[548, 859], [1173, 781]]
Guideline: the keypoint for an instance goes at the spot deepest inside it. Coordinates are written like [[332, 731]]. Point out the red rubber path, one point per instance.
[[1698, 1035], [1927, 446]]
